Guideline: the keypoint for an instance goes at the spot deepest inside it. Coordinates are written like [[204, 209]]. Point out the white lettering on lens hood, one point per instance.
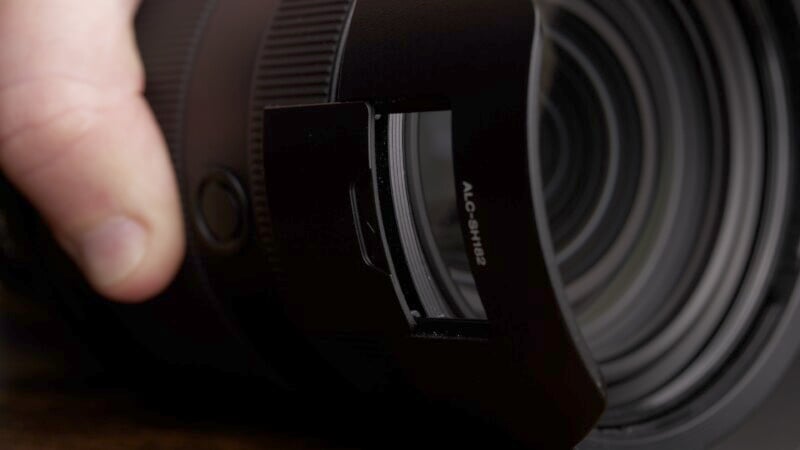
[[473, 225]]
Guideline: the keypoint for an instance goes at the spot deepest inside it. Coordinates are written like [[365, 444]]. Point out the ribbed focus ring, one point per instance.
[[296, 65], [169, 32]]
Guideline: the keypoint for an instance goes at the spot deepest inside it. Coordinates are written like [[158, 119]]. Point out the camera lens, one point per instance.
[[670, 199], [546, 213], [664, 160]]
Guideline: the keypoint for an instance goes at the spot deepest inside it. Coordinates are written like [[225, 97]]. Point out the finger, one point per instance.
[[78, 139]]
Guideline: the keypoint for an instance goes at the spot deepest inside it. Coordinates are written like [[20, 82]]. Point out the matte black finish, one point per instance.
[[318, 181], [401, 58], [317, 194], [313, 159], [182, 44]]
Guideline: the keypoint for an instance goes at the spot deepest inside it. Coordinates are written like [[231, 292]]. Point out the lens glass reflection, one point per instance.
[[655, 164]]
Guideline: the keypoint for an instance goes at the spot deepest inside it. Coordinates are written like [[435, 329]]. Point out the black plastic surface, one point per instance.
[[402, 59], [314, 157]]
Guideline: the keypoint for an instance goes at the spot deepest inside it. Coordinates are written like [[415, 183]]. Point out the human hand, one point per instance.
[[78, 139]]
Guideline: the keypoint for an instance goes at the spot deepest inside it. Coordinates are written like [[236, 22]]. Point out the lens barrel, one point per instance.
[[566, 217]]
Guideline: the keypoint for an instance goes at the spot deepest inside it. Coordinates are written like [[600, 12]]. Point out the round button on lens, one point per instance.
[[221, 209]]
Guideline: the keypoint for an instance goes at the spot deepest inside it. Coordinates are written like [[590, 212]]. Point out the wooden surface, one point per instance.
[[53, 396], [46, 419]]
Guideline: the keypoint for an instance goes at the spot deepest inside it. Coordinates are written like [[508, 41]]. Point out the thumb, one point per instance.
[[78, 139]]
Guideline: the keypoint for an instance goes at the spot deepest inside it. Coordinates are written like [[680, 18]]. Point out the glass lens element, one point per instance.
[[658, 172], [432, 185]]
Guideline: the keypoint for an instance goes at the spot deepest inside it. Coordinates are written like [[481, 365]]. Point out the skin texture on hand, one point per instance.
[[80, 142]]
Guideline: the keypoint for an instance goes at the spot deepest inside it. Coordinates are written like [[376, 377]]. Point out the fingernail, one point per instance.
[[112, 250]]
